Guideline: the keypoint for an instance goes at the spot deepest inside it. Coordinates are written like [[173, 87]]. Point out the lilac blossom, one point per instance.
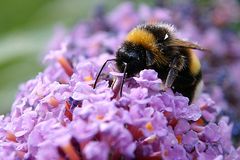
[[58, 114]]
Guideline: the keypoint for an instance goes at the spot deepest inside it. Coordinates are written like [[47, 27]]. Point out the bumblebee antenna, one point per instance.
[[124, 77], [95, 83]]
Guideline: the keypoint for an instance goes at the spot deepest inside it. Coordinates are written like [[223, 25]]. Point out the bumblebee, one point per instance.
[[154, 46]]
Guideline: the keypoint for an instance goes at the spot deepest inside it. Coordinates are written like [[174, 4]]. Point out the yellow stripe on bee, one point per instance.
[[147, 40], [195, 64], [142, 37]]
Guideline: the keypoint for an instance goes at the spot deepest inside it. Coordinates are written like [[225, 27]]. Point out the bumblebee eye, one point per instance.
[[166, 36]]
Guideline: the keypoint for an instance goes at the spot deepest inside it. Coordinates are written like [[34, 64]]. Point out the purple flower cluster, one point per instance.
[[58, 115]]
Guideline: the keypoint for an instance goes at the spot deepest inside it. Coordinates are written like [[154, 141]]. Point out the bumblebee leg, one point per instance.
[[124, 77], [99, 73], [172, 74], [176, 66]]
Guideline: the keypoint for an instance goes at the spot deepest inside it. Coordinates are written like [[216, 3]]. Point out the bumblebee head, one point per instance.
[[134, 56]]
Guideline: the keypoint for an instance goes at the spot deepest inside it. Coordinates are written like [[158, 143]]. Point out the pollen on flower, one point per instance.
[[149, 126], [99, 117], [70, 152], [200, 122], [68, 112], [88, 78], [11, 137], [66, 65], [53, 101], [179, 139]]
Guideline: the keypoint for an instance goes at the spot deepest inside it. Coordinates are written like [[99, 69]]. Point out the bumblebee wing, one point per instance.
[[185, 44]]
